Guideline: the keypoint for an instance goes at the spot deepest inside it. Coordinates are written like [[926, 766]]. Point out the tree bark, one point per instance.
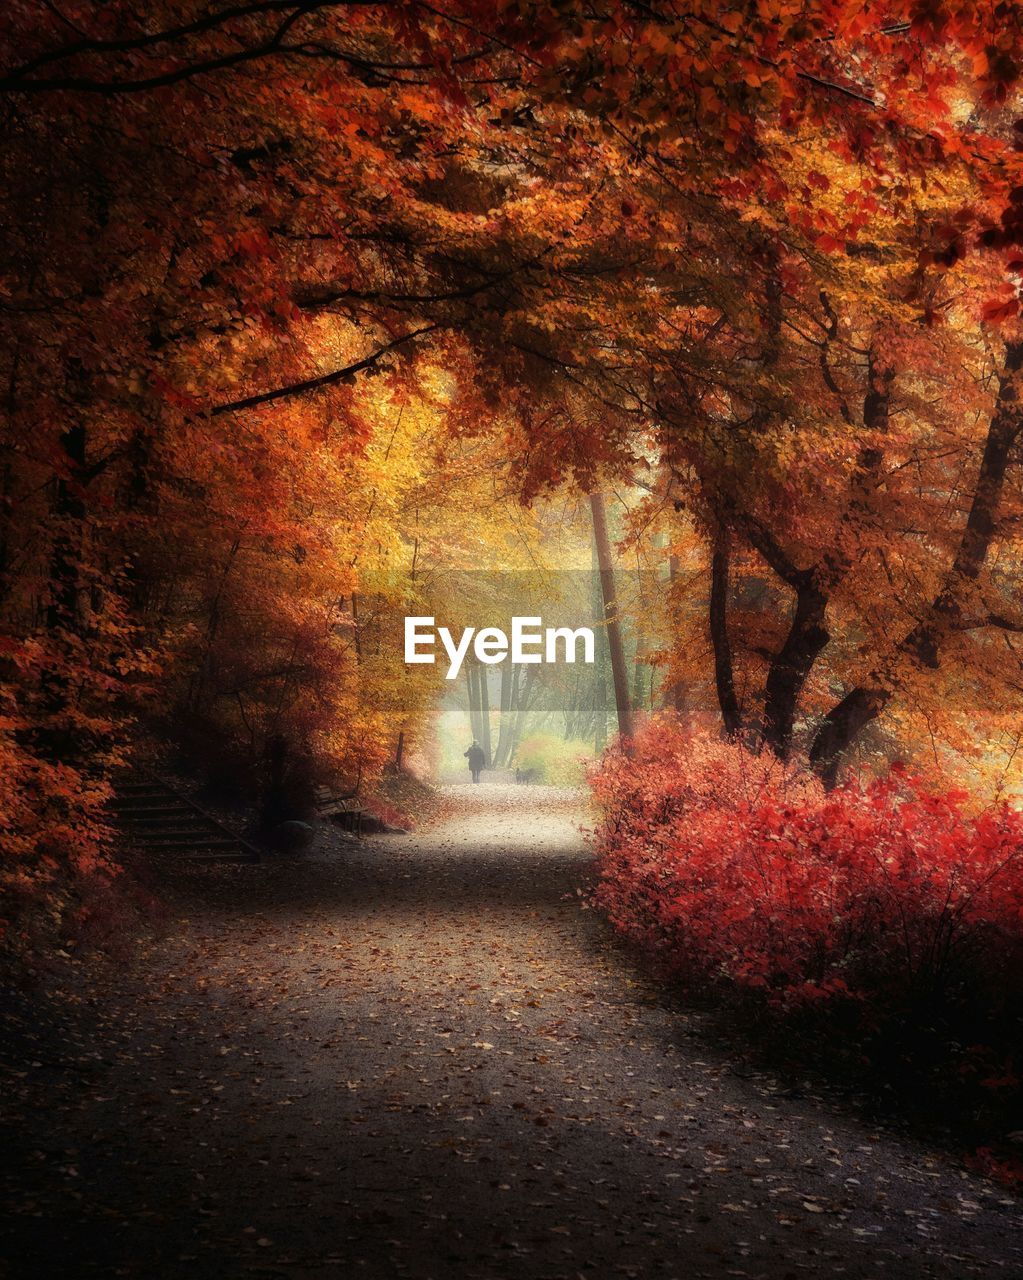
[[501, 754], [638, 674], [791, 665], [677, 692], [597, 719], [484, 696], [470, 684], [846, 720], [808, 633], [619, 671], [724, 674], [522, 710]]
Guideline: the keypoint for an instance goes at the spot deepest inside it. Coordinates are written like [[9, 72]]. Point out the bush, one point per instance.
[[888, 907], [557, 762], [55, 837]]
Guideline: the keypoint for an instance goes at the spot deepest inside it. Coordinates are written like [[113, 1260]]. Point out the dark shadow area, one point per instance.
[[462, 884]]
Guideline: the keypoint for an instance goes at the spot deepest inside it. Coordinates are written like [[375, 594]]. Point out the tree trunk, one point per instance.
[[597, 722], [861, 705], [619, 671], [677, 692], [638, 681], [512, 731], [483, 683], [842, 726], [791, 665], [808, 634], [522, 710], [724, 676], [469, 701], [504, 722], [474, 706]]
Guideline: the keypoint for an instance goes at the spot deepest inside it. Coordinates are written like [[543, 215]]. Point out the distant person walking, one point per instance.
[[477, 759]]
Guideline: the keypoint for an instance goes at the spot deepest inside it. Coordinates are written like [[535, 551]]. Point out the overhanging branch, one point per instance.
[[324, 379]]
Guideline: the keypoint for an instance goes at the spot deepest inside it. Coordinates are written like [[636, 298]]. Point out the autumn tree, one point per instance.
[[768, 256]]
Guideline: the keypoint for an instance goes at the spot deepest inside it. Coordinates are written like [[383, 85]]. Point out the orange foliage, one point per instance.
[[289, 290]]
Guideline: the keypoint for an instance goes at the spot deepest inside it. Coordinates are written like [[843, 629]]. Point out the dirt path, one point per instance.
[[418, 1058]]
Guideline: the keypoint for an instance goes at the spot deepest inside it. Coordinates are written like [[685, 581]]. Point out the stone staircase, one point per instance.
[[161, 820]]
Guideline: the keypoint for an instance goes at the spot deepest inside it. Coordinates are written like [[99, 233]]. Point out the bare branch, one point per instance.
[[324, 379]]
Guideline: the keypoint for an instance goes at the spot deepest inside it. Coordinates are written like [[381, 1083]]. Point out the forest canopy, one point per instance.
[[303, 297]]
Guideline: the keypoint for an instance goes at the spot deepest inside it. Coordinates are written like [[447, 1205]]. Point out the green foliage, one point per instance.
[[557, 762]]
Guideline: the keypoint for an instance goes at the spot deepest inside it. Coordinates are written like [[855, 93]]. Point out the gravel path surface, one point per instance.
[[416, 1057]]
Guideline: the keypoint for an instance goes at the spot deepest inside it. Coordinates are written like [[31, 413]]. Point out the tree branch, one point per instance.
[[16, 78], [830, 334], [923, 642], [324, 379], [763, 540], [21, 80]]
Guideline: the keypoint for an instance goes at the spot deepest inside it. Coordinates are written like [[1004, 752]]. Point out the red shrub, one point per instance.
[[389, 814], [738, 869]]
